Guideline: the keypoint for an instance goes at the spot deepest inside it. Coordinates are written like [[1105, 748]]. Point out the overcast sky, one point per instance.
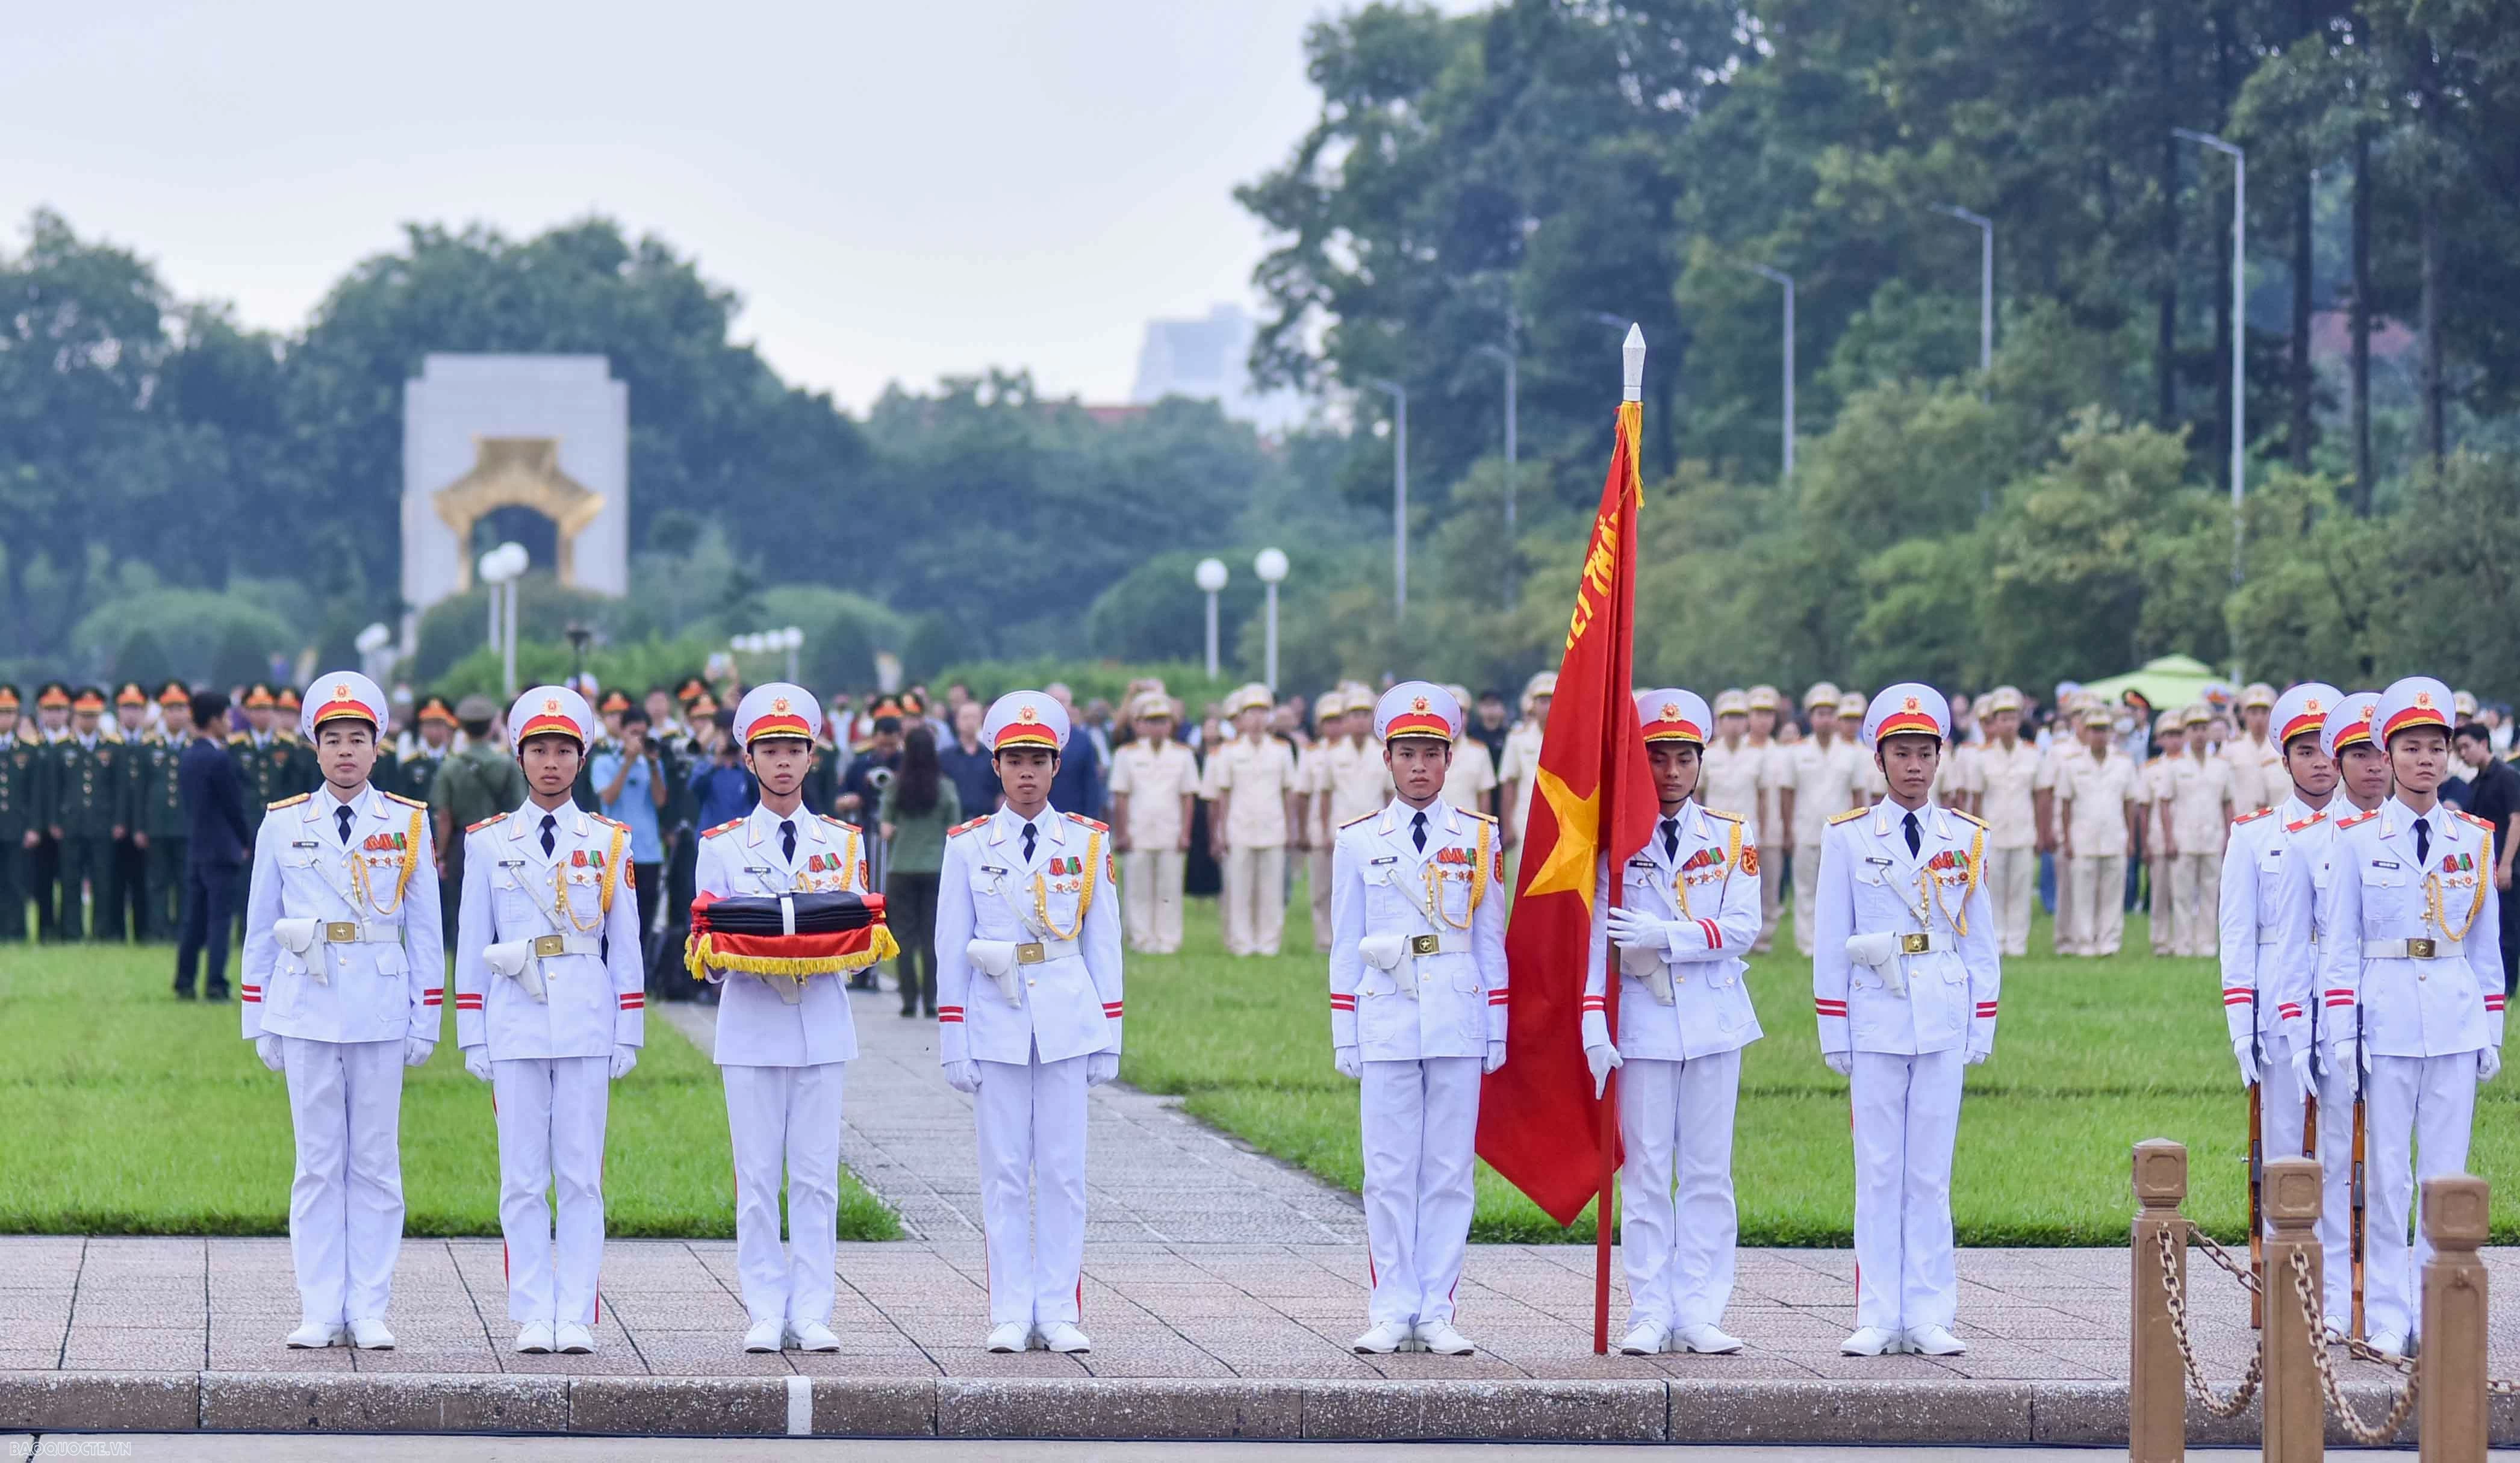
[[898, 191]]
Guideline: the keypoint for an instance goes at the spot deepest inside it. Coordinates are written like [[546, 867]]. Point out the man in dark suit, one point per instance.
[[219, 841]]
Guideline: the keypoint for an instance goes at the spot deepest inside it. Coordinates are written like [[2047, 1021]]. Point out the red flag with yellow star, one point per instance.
[[1594, 795]]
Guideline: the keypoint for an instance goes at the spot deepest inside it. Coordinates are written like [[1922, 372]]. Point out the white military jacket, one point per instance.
[[1438, 914], [2412, 954], [342, 941], [2257, 948], [756, 1027], [1936, 987], [1710, 890], [580, 896], [1058, 910]]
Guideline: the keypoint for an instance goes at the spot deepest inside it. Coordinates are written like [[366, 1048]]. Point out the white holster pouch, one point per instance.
[[1880, 951], [514, 959], [1648, 967], [297, 937], [996, 960], [1389, 954]]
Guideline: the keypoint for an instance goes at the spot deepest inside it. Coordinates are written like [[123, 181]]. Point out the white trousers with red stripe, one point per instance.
[[1031, 1122], [1907, 1119], [1420, 1119], [550, 1155], [346, 1204], [2417, 1115], [787, 1119], [1677, 1227]]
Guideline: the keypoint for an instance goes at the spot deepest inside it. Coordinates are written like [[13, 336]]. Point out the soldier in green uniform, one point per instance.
[[292, 760], [52, 725], [126, 917], [87, 796], [426, 752], [18, 835], [158, 825], [253, 747], [471, 785]]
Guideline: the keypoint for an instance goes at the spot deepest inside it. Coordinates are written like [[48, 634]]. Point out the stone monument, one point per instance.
[[484, 432]]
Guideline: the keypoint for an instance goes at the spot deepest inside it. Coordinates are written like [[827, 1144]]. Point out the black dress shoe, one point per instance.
[[218, 993], [183, 993]]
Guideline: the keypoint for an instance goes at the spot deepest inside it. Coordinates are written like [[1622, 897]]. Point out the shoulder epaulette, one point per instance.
[[1966, 818], [2485, 823], [1720, 812], [1475, 812], [609, 823], [1079, 818], [2295, 827], [2254, 817], [396, 797], [967, 825], [113, 734], [1353, 821], [838, 823], [486, 822], [2358, 817], [2154, 761], [292, 802], [732, 823], [1849, 815], [234, 737]]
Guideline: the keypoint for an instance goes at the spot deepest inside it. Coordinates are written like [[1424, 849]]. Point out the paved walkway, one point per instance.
[[1154, 1176]]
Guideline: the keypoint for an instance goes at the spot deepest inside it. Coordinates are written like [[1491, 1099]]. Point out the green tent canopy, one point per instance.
[[2171, 680]]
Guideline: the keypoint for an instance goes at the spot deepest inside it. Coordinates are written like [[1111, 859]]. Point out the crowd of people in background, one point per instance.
[[2093, 806]]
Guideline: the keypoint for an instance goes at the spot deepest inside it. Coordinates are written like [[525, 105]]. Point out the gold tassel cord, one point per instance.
[[700, 956]]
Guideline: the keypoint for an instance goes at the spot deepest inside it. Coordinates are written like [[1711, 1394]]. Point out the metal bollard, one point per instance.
[[2451, 1410], [2296, 1420], [2157, 1388]]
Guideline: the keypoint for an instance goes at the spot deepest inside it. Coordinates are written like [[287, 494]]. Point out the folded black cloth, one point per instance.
[[820, 913]]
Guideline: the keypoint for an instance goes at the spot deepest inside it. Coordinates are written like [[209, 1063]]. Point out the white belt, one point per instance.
[[1440, 943], [2412, 950], [1042, 951], [547, 946], [1926, 942], [358, 932], [2269, 934]]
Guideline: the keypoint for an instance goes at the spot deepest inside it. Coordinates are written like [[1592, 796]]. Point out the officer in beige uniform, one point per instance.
[[1470, 782], [1767, 818], [1349, 782], [2010, 803], [1519, 763], [551, 1010], [2095, 800], [2258, 778], [2153, 790], [1824, 776], [1251, 780], [343, 986], [2064, 747], [2197, 821], [1154, 782]]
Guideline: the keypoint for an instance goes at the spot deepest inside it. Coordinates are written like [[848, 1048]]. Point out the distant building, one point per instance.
[[1207, 359]]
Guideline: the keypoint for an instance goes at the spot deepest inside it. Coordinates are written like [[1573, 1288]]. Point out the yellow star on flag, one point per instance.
[[1572, 857]]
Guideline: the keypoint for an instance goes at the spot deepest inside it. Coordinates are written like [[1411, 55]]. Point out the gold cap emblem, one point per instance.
[[340, 691], [1418, 704], [1023, 713], [779, 705], [551, 704], [1670, 711], [2311, 706], [2424, 698], [1913, 705]]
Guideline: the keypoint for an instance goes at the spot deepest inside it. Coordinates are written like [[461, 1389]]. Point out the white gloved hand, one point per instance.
[[962, 1076], [2489, 1061], [1101, 1067], [267, 1047], [1495, 1056], [2244, 1050], [2301, 1073], [1603, 1059], [1977, 1055], [1839, 1062], [625, 1057], [416, 1050], [476, 1061], [1345, 1059], [1632, 930]]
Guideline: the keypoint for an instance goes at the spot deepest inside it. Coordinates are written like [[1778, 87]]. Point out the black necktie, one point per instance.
[[787, 839], [1915, 840], [1669, 838], [1029, 835], [549, 838], [342, 816], [1418, 824], [2423, 843]]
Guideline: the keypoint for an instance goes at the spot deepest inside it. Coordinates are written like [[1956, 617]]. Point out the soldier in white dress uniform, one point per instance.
[[1028, 1013], [2411, 947], [1905, 982], [2289, 985], [550, 1009], [783, 1045], [2256, 948], [1417, 1010], [342, 986], [1688, 911]]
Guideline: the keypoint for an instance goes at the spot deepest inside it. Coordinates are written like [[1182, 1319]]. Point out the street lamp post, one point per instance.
[[500, 568], [1985, 281], [1210, 577], [1399, 493], [2239, 321], [791, 639], [1513, 418], [373, 661], [1780, 277], [1271, 565]]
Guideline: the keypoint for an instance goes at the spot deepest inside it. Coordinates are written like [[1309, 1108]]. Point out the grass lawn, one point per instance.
[[124, 1111], [2092, 1057]]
